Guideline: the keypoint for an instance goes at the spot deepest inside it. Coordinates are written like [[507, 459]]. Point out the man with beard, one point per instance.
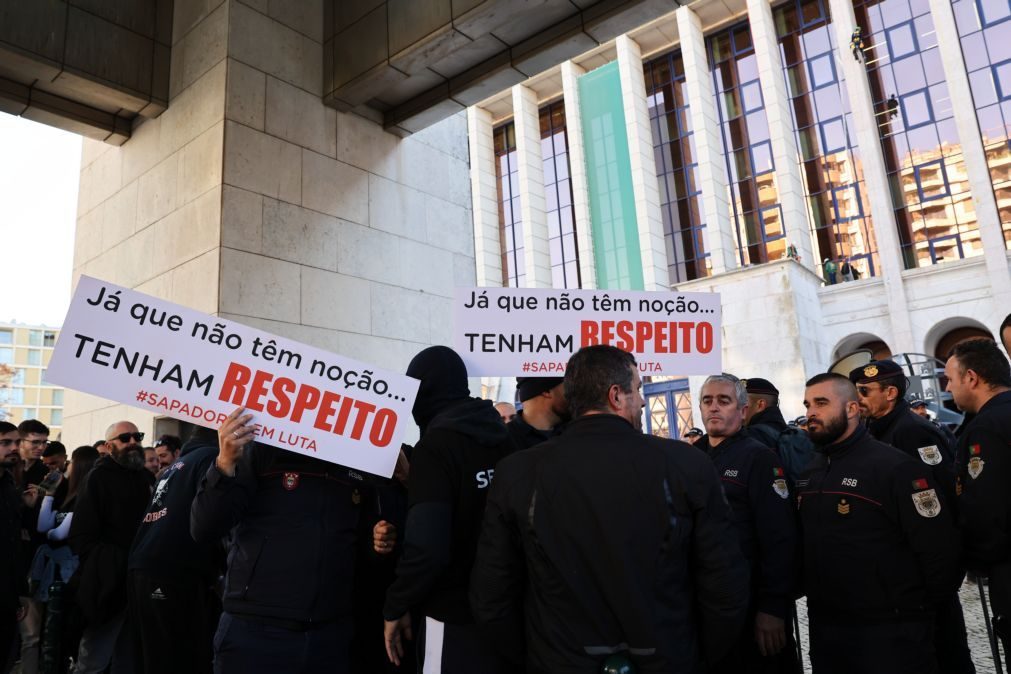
[[756, 487], [106, 518], [881, 386], [879, 546], [544, 410], [462, 438], [979, 380], [12, 583], [610, 543]]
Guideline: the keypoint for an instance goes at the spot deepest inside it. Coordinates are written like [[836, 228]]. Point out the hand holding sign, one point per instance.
[[233, 436]]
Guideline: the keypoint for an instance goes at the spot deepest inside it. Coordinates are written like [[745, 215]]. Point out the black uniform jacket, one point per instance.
[[295, 522], [524, 435], [609, 540], [878, 543], [764, 517], [920, 439], [451, 469], [984, 482]]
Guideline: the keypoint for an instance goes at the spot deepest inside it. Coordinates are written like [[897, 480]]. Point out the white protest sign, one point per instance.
[[530, 332], [142, 351]]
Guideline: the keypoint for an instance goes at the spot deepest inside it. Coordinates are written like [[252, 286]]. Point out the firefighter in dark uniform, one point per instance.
[[544, 410], [919, 406], [879, 546], [755, 484], [979, 379], [881, 385]]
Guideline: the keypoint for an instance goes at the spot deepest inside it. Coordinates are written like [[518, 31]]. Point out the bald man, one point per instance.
[[121, 434]]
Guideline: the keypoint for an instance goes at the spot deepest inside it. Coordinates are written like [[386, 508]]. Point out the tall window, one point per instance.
[[34, 357], [838, 206], [676, 168], [56, 417], [923, 156], [49, 339], [510, 221], [985, 30], [558, 197], [58, 397], [35, 338], [748, 150], [6, 355], [6, 336]]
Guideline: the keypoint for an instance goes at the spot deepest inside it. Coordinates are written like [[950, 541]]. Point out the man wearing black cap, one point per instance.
[[452, 466], [881, 385], [544, 410], [765, 423]]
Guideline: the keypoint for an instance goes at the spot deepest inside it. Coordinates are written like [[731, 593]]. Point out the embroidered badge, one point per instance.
[[843, 507], [930, 454], [975, 467], [779, 486], [926, 503], [871, 371], [289, 481]]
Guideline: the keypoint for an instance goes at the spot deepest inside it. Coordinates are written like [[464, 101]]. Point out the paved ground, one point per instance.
[[974, 624]]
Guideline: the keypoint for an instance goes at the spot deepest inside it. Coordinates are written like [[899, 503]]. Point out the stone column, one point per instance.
[[875, 178], [640, 149], [708, 143], [530, 167], [484, 198], [974, 155], [790, 185], [577, 173]]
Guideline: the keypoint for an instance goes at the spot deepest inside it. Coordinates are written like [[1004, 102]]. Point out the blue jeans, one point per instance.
[[244, 645]]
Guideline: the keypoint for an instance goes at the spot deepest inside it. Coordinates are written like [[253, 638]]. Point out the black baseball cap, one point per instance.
[[760, 386], [531, 387]]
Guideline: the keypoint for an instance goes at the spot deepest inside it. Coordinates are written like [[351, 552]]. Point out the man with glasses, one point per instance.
[[881, 385], [34, 438], [12, 583], [121, 434]]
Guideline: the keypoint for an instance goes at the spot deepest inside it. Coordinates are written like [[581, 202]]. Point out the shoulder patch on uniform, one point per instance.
[[975, 467], [930, 454], [777, 471], [920, 484], [779, 486], [926, 503]]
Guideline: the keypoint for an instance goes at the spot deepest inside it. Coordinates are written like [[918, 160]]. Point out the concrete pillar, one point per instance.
[[640, 149], [789, 184], [577, 173], [250, 199], [530, 167], [484, 198], [974, 155], [715, 197], [875, 178]]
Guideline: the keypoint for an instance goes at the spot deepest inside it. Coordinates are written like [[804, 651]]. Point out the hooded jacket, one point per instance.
[[451, 469]]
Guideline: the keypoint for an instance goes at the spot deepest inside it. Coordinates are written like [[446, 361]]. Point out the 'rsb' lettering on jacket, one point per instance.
[[484, 477]]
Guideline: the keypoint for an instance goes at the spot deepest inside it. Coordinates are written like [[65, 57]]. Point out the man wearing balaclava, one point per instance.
[[462, 438]]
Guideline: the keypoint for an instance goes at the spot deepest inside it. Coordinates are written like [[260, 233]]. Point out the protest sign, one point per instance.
[[530, 332], [142, 351]]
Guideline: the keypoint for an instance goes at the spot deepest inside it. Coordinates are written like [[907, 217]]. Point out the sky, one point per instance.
[[39, 173]]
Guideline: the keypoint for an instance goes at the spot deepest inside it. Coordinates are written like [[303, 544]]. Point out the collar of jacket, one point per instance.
[[878, 426], [594, 423], [728, 442], [840, 449], [999, 399], [770, 416]]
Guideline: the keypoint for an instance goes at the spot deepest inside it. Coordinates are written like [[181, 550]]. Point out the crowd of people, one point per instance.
[[561, 539]]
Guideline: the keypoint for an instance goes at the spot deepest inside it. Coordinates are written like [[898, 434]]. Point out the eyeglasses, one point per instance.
[[125, 437], [864, 391], [35, 443], [7, 442]]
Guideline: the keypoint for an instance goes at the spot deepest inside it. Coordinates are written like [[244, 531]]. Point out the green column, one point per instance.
[[613, 223]]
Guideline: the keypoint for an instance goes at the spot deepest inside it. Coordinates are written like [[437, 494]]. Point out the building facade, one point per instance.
[[838, 170], [25, 351]]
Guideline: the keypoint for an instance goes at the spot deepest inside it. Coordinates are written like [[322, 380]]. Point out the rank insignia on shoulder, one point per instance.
[[930, 454], [926, 503], [843, 507], [290, 481], [975, 467], [779, 486]]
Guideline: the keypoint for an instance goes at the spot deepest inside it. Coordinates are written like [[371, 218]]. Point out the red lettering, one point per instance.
[[704, 337], [327, 407], [281, 405], [606, 332], [257, 390], [306, 399], [233, 389], [383, 427], [363, 410], [624, 330], [643, 333], [661, 338], [686, 335], [588, 333]]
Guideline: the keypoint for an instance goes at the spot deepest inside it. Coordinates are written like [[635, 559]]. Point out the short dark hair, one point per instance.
[[841, 381], [171, 441], [590, 374], [33, 426], [54, 448], [1005, 324], [983, 356], [7, 427]]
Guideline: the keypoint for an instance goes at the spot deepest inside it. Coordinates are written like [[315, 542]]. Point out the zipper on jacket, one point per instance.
[[252, 570]]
